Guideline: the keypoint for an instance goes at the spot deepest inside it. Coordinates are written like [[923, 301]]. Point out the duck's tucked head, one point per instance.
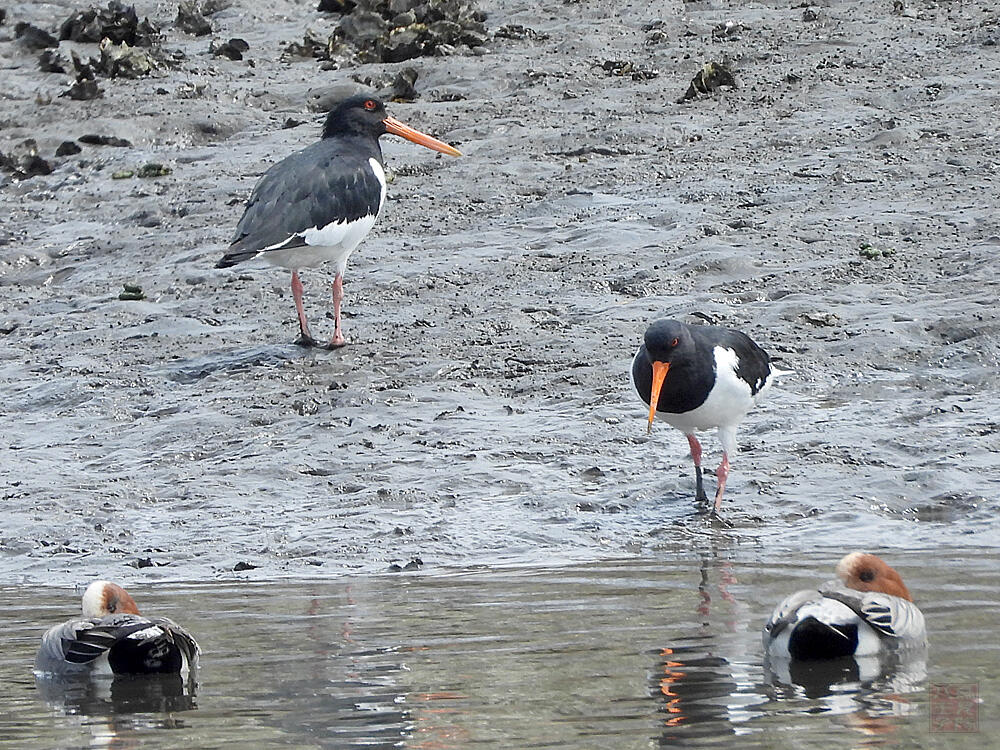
[[103, 598], [864, 572]]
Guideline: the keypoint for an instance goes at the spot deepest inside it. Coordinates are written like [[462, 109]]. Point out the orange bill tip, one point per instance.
[[394, 126]]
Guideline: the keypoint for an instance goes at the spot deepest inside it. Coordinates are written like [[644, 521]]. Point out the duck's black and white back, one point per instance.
[[864, 613], [113, 638]]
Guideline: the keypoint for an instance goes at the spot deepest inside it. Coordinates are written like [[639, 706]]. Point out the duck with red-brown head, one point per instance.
[[866, 611], [112, 636]]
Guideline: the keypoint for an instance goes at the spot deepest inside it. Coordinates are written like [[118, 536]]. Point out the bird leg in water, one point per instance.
[[338, 295], [305, 338], [699, 493], [722, 474]]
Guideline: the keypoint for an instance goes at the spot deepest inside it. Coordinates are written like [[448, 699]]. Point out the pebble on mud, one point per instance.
[[118, 22], [33, 37], [241, 566], [233, 49], [869, 252], [712, 76], [415, 564], [124, 61], [68, 148], [50, 61], [131, 293], [152, 169], [396, 30], [93, 139], [24, 162], [191, 19], [627, 68]]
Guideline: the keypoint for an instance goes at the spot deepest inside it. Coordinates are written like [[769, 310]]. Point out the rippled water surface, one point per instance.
[[639, 653]]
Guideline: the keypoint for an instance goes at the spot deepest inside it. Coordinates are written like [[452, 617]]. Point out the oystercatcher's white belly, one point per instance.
[[728, 402]]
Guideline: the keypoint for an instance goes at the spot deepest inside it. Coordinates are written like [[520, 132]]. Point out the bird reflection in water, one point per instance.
[[127, 703], [868, 693]]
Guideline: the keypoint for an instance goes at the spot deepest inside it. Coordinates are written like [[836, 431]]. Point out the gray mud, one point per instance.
[[840, 206]]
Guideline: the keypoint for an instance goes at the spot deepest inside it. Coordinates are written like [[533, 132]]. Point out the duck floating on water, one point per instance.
[[867, 611], [112, 637]]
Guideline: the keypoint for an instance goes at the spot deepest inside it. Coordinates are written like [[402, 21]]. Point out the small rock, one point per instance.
[[191, 19], [83, 91], [291, 122], [232, 49], [131, 293], [153, 170], [104, 140], [118, 22], [123, 174], [403, 87], [24, 162], [872, 253], [33, 37], [240, 566], [142, 562], [124, 61], [50, 61], [826, 319], [712, 76], [68, 148], [336, 6]]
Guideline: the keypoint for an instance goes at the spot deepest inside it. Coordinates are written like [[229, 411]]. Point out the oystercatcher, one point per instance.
[[699, 377], [868, 610], [113, 636], [318, 204]]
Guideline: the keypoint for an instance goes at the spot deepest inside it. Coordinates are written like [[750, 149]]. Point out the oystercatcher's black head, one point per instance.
[[667, 343], [366, 116], [666, 340]]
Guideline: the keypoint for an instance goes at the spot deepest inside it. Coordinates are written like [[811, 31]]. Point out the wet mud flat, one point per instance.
[[838, 204]]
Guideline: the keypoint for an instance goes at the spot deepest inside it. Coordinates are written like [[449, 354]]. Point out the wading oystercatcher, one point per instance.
[[316, 205], [868, 610], [700, 377], [113, 637]]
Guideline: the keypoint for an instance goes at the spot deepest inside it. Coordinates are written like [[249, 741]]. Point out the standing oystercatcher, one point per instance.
[[699, 377], [869, 609], [113, 636], [318, 204]]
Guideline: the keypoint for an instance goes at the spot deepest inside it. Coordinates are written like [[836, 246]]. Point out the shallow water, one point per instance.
[[658, 652]]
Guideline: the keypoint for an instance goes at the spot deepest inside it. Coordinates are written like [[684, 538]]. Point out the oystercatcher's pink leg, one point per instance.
[[338, 296], [305, 338], [699, 492], [722, 474]]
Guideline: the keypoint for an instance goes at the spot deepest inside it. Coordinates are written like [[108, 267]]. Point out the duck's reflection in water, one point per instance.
[[117, 707]]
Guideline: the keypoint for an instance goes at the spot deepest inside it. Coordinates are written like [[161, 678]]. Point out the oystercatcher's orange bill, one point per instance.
[[394, 126], [659, 373]]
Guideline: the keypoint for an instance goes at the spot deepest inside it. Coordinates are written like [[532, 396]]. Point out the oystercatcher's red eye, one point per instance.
[[370, 105], [675, 342]]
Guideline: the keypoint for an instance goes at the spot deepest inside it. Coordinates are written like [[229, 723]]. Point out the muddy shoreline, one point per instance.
[[839, 205]]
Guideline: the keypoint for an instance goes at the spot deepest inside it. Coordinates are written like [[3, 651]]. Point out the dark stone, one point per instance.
[[118, 22], [712, 76], [233, 49], [68, 148], [404, 44], [404, 86], [240, 566], [50, 61], [33, 37], [191, 20], [342, 7], [24, 162], [104, 140], [84, 90]]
